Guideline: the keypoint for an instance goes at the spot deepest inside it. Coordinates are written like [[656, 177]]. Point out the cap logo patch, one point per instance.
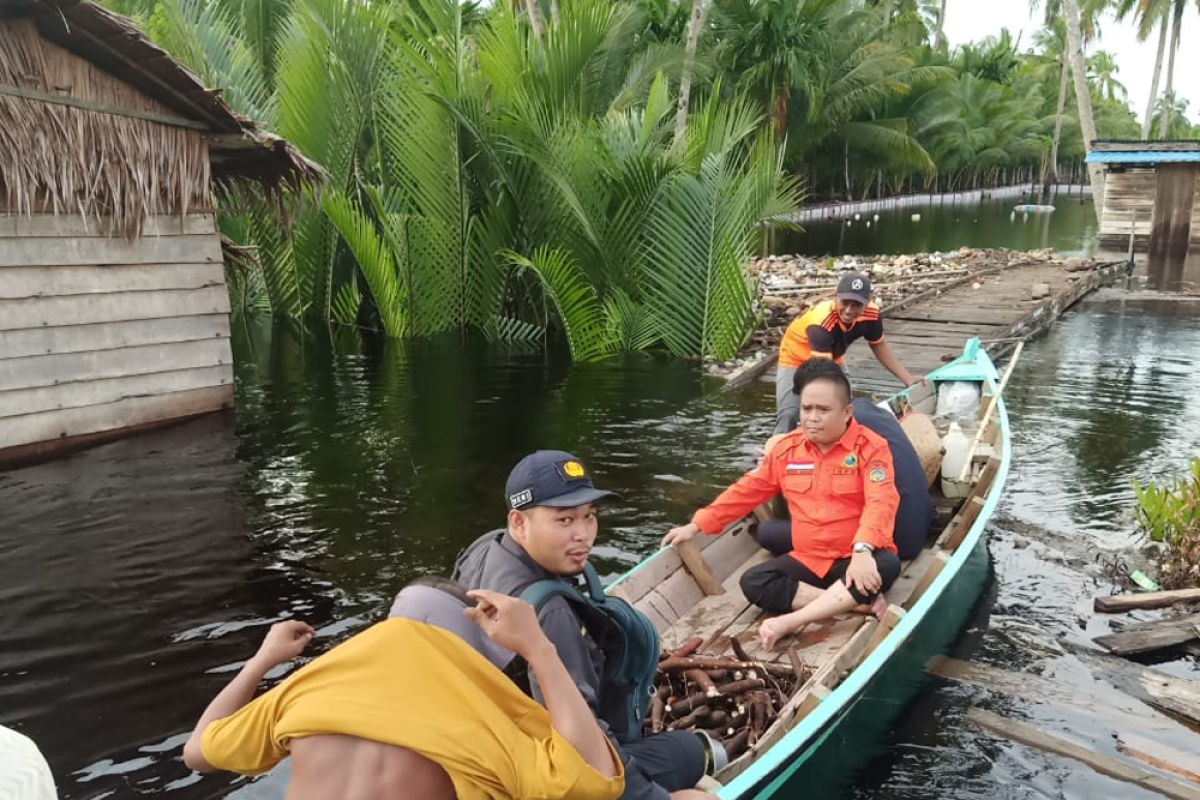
[[521, 498], [877, 475], [573, 469], [856, 284]]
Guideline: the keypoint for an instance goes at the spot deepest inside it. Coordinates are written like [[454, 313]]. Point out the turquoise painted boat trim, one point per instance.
[[973, 364], [805, 735]]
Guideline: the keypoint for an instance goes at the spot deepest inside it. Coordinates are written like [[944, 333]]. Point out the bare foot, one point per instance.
[[879, 606], [772, 630]]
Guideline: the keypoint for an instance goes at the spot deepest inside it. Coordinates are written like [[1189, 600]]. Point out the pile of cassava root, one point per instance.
[[734, 700]]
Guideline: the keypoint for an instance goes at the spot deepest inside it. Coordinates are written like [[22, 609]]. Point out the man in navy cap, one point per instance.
[[550, 531], [826, 330]]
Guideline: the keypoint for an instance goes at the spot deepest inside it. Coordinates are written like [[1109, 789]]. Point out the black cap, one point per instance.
[[854, 286], [551, 478]]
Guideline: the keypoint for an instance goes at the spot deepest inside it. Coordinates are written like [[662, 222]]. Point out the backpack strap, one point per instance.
[[538, 592]]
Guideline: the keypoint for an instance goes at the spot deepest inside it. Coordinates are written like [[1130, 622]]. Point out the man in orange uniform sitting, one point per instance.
[[825, 331], [837, 478]]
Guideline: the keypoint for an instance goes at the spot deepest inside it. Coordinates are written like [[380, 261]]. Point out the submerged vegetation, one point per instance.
[[1169, 513], [528, 169]]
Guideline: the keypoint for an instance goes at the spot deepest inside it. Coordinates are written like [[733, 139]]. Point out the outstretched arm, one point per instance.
[[512, 623], [283, 642], [886, 356]]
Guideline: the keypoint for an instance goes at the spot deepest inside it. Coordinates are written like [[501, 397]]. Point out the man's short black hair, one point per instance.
[[822, 369], [450, 587]]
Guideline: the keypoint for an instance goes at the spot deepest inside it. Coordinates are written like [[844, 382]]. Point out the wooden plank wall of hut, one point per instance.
[[1195, 244], [1174, 206], [100, 333], [1128, 202]]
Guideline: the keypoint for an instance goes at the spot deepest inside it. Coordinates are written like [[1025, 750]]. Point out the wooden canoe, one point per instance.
[[847, 655]]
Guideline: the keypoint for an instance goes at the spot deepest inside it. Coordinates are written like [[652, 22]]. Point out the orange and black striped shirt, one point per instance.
[[820, 331]]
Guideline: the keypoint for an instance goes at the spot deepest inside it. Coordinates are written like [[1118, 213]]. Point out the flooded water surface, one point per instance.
[[138, 576]]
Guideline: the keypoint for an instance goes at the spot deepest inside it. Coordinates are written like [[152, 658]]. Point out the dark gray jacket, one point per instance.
[[495, 561]]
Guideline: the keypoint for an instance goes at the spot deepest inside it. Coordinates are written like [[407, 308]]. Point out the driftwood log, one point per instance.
[[1118, 603]]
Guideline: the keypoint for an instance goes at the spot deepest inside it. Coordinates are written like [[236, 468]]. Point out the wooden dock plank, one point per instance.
[[1105, 765]]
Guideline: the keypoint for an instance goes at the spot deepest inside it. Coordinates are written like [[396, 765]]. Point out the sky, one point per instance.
[[968, 20]]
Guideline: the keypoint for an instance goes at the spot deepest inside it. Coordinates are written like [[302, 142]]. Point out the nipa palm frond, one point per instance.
[[575, 300]]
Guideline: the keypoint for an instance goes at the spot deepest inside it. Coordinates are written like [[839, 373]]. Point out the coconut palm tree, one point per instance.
[[1102, 70], [776, 47], [1083, 97], [1173, 110], [1166, 15], [695, 23], [1053, 38], [939, 38]]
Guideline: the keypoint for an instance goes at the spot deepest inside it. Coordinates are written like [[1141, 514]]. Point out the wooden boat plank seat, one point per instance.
[[710, 618]]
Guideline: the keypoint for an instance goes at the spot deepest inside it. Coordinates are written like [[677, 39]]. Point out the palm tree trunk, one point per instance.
[[1064, 74], [887, 13], [1162, 47], [1083, 96], [1169, 92], [535, 17], [846, 162], [685, 80], [938, 37]]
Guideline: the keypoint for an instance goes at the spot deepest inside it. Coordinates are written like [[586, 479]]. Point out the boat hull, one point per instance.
[[829, 764]]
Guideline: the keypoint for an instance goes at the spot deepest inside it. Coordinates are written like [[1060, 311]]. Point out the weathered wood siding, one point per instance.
[[1173, 208], [1128, 203], [99, 333]]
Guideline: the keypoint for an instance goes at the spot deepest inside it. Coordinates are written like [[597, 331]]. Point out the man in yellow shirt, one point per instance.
[[414, 707]]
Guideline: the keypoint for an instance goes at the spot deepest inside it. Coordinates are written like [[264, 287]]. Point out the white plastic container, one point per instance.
[[958, 399], [955, 445]]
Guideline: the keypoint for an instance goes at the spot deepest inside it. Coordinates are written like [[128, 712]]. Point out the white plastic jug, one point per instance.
[[955, 445]]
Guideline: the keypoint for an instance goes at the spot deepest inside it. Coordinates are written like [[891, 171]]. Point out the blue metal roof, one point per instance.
[[1143, 157]]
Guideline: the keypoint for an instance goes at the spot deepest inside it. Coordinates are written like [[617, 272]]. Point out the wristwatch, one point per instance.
[[863, 547]]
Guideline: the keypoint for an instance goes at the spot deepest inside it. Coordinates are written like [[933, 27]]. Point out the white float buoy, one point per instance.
[[868, 223], [916, 217], [858, 216], [877, 218], [849, 222]]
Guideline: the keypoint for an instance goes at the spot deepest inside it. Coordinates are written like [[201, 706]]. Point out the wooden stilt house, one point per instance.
[[1152, 194], [113, 305]]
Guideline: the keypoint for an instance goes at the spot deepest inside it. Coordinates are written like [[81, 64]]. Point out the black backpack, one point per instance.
[[629, 642]]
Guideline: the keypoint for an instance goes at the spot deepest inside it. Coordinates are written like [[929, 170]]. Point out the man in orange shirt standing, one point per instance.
[[825, 331], [838, 480]]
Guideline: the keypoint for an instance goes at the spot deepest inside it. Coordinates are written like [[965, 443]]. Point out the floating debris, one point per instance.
[[789, 284]]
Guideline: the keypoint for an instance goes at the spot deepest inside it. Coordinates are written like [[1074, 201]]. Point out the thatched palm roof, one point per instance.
[[239, 149]]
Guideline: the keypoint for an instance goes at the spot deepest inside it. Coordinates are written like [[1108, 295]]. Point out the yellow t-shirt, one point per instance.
[[414, 685]]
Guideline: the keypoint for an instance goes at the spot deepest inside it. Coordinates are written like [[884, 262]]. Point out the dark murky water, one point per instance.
[[137, 576], [1071, 229], [1110, 394]]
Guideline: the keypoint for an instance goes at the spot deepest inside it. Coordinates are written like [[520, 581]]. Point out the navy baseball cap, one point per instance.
[[854, 286], [551, 478]]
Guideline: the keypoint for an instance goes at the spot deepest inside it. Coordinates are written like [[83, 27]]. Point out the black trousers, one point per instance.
[[670, 761], [772, 586]]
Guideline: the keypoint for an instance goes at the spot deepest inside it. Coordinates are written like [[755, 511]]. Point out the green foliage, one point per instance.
[[1170, 512], [533, 188]]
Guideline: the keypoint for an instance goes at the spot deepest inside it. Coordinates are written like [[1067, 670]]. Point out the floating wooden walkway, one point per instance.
[[928, 329]]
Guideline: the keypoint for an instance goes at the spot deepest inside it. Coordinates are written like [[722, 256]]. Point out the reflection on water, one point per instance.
[[1106, 396], [1071, 229], [138, 576]]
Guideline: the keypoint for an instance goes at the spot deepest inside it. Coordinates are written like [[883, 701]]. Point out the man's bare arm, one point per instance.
[[513, 624], [887, 357], [283, 642]]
